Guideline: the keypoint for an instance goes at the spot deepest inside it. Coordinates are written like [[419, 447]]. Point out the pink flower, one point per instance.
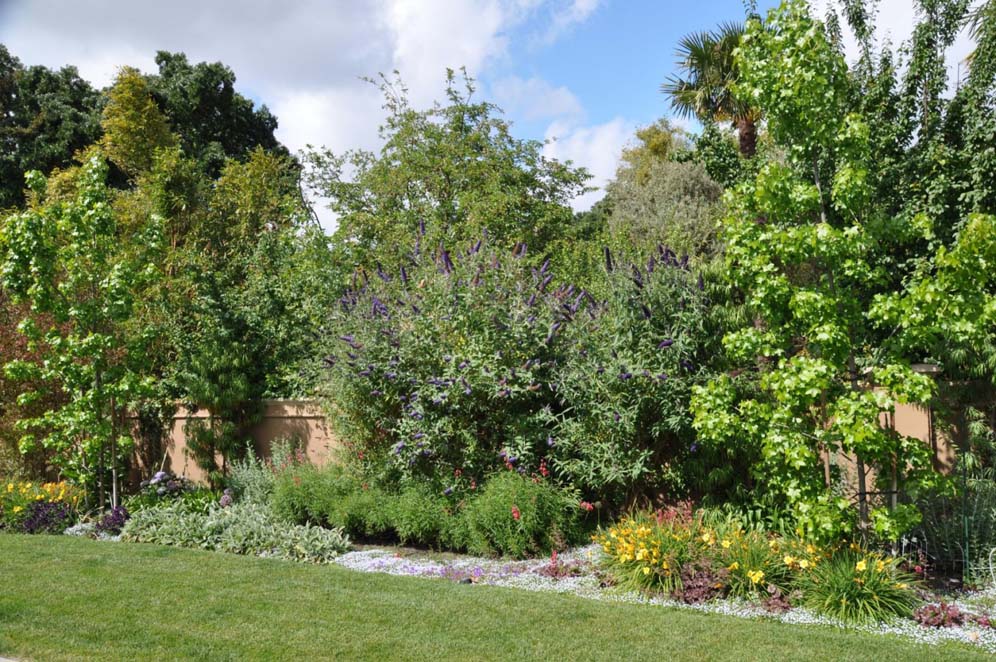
[[515, 513], [586, 506]]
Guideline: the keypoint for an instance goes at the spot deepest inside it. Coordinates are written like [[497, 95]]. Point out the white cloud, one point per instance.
[[304, 58], [596, 147], [566, 16], [535, 98]]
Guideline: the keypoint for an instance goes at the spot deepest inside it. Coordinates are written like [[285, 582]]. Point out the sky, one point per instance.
[[580, 74]]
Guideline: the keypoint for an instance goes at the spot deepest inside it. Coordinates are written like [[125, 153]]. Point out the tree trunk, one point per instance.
[[747, 132]]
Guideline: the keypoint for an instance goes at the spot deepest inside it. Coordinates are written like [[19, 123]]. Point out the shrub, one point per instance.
[[461, 365], [240, 529], [251, 479], [165, 487], [421, 517], [700, 582], [857, 586], [330, 496], [516, 516]]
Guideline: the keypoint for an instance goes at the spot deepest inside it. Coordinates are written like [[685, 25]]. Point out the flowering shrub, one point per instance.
[[453, 366], [21, 506], [166, 487]]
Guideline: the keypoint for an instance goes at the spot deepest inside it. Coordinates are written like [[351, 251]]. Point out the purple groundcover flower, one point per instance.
[[113, 521], [44, 517], [665, 343]]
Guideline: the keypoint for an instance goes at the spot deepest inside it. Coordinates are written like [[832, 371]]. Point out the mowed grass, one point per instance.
[[67, 598]]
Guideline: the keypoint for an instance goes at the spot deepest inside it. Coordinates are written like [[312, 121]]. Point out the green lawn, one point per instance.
[[66, 598]]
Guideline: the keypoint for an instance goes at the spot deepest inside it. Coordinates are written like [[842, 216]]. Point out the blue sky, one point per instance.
[[616, 60], [582, 74]]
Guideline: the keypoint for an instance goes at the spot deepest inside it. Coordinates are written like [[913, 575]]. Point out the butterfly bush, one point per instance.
[[459, 363]]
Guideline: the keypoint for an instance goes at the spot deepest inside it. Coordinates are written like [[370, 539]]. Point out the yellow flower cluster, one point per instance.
[[16, 496]]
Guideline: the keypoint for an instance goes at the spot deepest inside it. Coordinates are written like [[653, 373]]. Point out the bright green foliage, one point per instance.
[[518, 517], [65, 259], [134, 128], [809, 250], [457, 169]]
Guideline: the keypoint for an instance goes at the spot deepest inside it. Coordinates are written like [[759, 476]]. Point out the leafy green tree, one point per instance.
[[213, 121], [134, 128], [45, 117], [707, 87], [444, 175], [63, 257], [809, 248]]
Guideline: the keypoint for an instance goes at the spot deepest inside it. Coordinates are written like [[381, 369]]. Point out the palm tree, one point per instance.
[[706, 61]]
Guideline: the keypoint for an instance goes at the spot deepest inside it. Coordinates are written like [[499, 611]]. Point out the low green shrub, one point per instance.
[[858, 587], [245, 528], [421, 517], [329, 496], [518, 516]]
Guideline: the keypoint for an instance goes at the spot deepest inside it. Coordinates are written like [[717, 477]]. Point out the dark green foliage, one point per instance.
[[214, 121], [45, 117]]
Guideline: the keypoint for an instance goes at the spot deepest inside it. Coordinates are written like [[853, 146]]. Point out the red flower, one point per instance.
[[473, 484], [586, 506], [457, 473], [515, 513], [543, 470]]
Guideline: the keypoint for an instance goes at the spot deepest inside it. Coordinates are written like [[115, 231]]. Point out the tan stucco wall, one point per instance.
[[282, 419]]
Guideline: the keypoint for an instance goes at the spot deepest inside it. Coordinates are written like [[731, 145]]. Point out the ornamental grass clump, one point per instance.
[[858, 586]]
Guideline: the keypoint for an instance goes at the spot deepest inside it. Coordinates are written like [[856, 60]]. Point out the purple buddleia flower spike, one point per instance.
[[421, 227], [665, 343], [546, 265], [608, 258], [404, 275]]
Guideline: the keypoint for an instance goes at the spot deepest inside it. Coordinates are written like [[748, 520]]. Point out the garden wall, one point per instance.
[[299, 419], [303, 420]]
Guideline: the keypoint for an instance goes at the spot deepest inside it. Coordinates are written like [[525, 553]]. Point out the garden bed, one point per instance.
[[576, 572]]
